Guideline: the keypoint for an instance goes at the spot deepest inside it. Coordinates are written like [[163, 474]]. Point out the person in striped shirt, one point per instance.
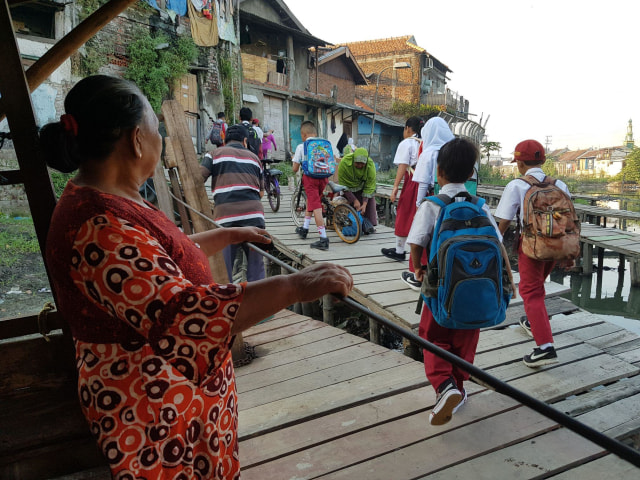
[[237, 186]]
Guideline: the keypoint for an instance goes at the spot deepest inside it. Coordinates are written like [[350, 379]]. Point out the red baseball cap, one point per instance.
[[529, 151]]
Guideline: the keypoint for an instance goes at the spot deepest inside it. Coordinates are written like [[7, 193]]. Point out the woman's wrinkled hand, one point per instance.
[[321, 278]]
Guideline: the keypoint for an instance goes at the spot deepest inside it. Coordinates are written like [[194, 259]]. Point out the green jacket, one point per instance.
[[358, 179]]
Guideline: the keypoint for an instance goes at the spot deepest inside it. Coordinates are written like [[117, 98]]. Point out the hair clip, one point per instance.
[[69, 124]]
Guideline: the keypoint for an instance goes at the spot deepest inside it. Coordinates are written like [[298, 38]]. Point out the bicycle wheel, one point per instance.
[[345, 221], [274, 194], [298, 206]]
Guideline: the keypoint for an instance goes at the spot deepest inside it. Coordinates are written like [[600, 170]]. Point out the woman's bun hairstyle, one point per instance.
[[99, 110]]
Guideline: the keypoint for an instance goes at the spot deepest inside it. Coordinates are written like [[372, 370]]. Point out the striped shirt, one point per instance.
[[236, 182]]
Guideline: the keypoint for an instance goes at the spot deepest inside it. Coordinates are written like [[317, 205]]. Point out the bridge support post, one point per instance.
[[307, 309], [327, 310], [600, 259], [587, 258], [374, 332], [635, 272]]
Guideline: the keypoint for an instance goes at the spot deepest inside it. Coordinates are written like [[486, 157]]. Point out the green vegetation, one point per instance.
[[492, 176], [631, 170], [487, 147], [59, 181], [155, 68], [227, 73], [407, 109], [287, 171], [387, 177], [17, 238]]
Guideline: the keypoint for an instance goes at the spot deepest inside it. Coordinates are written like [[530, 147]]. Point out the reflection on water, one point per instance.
[[606, 293]]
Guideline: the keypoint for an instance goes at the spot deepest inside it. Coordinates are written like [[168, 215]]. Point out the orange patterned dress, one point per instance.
[[152, 337]]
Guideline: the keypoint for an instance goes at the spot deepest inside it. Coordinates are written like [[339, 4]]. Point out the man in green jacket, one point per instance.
[[357, 172]]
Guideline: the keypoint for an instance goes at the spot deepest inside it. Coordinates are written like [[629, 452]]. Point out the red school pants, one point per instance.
[[462, 343], [531, 289]]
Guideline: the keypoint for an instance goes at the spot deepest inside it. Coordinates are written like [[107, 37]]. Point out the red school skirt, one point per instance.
[[406, 205]]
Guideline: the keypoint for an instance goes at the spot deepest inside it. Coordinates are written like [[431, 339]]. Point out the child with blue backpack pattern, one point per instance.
[[455, 164], [314, 188]]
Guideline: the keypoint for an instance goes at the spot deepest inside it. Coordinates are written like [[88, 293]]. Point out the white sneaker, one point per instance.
[[449, 397], [462, 402]]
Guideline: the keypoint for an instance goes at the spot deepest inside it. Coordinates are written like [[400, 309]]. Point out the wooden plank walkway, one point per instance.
[[321, 403], [378, 285]]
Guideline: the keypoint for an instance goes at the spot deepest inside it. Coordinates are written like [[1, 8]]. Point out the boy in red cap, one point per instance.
[[529, 156]]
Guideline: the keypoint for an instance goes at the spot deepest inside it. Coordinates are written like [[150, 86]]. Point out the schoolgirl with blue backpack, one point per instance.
[[467, 283]]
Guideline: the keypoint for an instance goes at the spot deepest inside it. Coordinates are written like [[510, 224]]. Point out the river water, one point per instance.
[[608, 293]]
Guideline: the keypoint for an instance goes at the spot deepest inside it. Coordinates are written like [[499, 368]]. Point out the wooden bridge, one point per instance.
[[321, 403]]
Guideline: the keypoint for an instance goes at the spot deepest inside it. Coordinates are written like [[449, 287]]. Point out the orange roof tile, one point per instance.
[[384, 45]]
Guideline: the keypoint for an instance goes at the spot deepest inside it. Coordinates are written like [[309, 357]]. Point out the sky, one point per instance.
[[564, 69]]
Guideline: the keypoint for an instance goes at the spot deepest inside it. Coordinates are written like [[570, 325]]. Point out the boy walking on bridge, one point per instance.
[[455, 164], [530, 156], [314, 188]]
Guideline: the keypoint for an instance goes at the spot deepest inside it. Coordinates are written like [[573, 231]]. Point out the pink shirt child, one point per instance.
[[267, 142]]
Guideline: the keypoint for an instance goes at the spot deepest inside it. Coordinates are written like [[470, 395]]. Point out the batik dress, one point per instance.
[[152, 335]]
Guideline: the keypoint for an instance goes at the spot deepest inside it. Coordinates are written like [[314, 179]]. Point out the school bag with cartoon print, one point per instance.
[[551, 228], [318, 160], [467, 284]]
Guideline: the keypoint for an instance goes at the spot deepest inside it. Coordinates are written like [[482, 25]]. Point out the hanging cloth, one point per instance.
[[203, 30]]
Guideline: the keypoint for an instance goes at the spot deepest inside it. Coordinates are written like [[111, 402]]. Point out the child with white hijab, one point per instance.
[[435, 134]]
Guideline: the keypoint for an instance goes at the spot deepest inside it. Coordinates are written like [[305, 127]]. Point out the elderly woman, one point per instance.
[[357, 172], [152, 332]]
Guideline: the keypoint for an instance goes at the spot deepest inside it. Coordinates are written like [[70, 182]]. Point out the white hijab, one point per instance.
[[435, 134]]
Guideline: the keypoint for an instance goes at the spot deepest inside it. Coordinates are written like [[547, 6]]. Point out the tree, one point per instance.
[[488, 147], [549, 168], [631, 170]]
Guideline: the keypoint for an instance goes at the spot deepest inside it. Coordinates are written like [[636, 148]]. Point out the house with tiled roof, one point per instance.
[[276, 68], [402, 72], [338, 75]]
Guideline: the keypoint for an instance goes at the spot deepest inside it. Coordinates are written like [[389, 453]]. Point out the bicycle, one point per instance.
[[342, 217], [271, 183]]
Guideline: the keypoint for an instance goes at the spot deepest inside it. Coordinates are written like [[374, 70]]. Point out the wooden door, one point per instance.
[[186, 92], [295, 122], [273, 119]]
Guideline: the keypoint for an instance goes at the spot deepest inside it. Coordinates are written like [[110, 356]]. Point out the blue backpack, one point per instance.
[[318, 160], [467, 283]]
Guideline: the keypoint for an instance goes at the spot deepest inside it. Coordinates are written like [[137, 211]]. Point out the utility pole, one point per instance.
[[547, 142]]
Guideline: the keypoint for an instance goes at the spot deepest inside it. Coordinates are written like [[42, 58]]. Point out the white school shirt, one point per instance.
[[513, 195], [407, 151], [426, 217], [299, 154]]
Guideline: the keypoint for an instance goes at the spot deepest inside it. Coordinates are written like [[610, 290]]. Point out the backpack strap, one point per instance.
[[531, 180]]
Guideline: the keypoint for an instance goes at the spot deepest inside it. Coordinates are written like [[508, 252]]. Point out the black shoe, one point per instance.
[[302, 232], [526, 326], [393, 255], [540, 357], [410, 279], [321, 244], [448, 398]]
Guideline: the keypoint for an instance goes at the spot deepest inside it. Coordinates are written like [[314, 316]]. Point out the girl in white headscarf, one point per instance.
[[435, 133]]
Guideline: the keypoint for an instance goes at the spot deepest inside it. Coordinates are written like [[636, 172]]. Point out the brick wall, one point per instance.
[[394, 85], [346, 88]]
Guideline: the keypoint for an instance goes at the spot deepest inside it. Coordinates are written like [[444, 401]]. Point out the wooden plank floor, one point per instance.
[[321, 403], [377, 279]]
